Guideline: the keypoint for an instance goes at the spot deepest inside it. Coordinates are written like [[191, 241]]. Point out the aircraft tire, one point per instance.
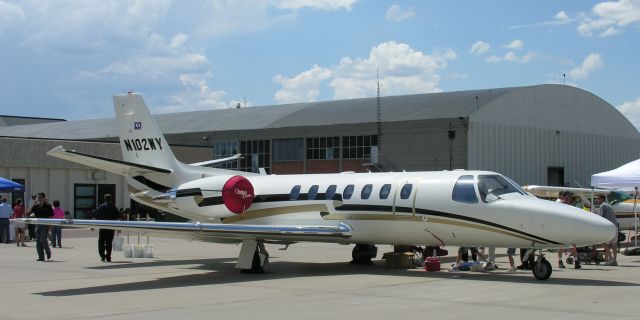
[[542, 269], [363, 253]]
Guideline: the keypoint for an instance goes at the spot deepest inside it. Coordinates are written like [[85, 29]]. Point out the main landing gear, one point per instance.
[[541, 268], [363, 253], [253, 257]]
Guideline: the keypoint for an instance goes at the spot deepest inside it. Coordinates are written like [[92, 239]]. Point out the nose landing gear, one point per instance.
[[541, 268]]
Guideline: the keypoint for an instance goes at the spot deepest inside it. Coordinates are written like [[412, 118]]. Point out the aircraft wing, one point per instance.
[[211, 230], [115, 166], [551, 192]]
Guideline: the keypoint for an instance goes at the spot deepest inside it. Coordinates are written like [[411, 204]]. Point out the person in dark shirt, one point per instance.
[[43, 210], [106, 211]]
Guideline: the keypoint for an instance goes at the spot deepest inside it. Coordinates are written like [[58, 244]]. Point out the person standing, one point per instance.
[[42, 210], [611, 247], [32, 227], [106, 211], [18, 213], [5, 214], [56, 231]]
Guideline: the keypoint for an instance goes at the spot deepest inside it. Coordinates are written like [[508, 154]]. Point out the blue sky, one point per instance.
[[65, 59]]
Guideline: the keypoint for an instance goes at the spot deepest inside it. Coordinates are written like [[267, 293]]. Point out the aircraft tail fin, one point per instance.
[[141, 140]]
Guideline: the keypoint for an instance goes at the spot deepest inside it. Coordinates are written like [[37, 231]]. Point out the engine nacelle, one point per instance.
[[235, 192]]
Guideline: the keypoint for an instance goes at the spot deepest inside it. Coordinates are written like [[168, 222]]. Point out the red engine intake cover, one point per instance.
[[237, 194]]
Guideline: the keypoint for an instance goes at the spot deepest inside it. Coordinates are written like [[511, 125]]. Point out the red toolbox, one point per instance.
[[432, 264]]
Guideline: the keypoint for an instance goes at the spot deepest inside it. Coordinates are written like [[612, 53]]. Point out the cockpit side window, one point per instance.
[[496, 185], [464, 190]]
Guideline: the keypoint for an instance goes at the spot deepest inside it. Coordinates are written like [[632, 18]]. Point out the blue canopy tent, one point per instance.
[[10, 186]]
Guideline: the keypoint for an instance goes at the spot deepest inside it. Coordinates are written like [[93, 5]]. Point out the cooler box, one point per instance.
[[432, 264]]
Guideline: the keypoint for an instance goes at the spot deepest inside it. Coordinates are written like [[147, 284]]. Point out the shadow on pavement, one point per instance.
[[222, 271]]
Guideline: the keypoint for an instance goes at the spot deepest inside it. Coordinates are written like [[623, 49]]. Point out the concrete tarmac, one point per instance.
[[194, 280]]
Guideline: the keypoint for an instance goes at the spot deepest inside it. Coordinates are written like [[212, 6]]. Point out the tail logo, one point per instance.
[[137, 125]]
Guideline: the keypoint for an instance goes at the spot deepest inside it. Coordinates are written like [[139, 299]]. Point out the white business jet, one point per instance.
[[461, 208]]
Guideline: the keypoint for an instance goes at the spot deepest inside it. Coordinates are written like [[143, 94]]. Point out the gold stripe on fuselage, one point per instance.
[[268, 212]]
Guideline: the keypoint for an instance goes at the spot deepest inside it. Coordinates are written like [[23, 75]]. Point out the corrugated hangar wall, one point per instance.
[[525, 132]]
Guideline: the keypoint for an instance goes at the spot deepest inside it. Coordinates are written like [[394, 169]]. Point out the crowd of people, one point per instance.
[[51, 236]]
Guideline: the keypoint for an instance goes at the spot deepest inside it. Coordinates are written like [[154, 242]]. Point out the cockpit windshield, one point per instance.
[[497, 185]]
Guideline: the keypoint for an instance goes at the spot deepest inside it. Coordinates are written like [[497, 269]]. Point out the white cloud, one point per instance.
[[479, 48], [514, 45], [631, 110], [325, 5], [591, 63], [562, 18], [395, 13], [609, 18], [11, 17], [402, 70], [160, 58], [303, 87], [75, 27], [512, 57], [196, 95]]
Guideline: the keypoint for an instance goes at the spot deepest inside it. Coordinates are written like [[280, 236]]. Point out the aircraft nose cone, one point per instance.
[[591, 229]]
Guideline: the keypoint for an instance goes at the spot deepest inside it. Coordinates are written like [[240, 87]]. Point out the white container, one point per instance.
[[128, 250], [147, 251], [137, 251]]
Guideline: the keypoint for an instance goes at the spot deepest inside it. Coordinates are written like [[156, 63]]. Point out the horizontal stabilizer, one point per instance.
[[215, 230], [115, 166], [210, 163]]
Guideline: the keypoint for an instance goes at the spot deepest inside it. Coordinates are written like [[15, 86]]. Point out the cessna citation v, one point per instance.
[[459, 208]]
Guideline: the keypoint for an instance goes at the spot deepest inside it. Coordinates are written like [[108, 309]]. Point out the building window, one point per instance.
[[288, 149], [384, 191], [87, 197], [358, 147], [323, 148], [223, 150], [366, 191], [257, 154], [348, 192]]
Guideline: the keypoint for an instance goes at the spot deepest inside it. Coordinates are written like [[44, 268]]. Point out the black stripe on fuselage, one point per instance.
[[153, 185], [212, 201], [363, 207]]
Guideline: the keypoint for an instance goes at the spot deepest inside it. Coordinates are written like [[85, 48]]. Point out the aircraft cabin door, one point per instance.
[[404, 198]]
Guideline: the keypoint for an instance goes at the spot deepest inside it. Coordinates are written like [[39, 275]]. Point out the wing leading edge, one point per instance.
[[115, 166], [214, 230]]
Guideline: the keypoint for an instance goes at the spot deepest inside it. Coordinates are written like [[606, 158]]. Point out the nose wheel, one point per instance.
[[542, 268]]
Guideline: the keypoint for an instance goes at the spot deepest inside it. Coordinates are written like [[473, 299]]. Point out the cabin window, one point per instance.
[[295, 193], [348, 192], [405, 192], [313, 192], [366, 191], [464, 190], [331, 191], [384, 191]]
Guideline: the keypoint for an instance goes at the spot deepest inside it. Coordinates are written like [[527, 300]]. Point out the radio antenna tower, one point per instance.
[[379, 105]]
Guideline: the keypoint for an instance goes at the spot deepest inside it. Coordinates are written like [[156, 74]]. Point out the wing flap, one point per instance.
[[115, 166], [197, 229]]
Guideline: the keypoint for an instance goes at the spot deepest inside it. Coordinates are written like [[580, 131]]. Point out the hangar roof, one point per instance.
[[352, 111]]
